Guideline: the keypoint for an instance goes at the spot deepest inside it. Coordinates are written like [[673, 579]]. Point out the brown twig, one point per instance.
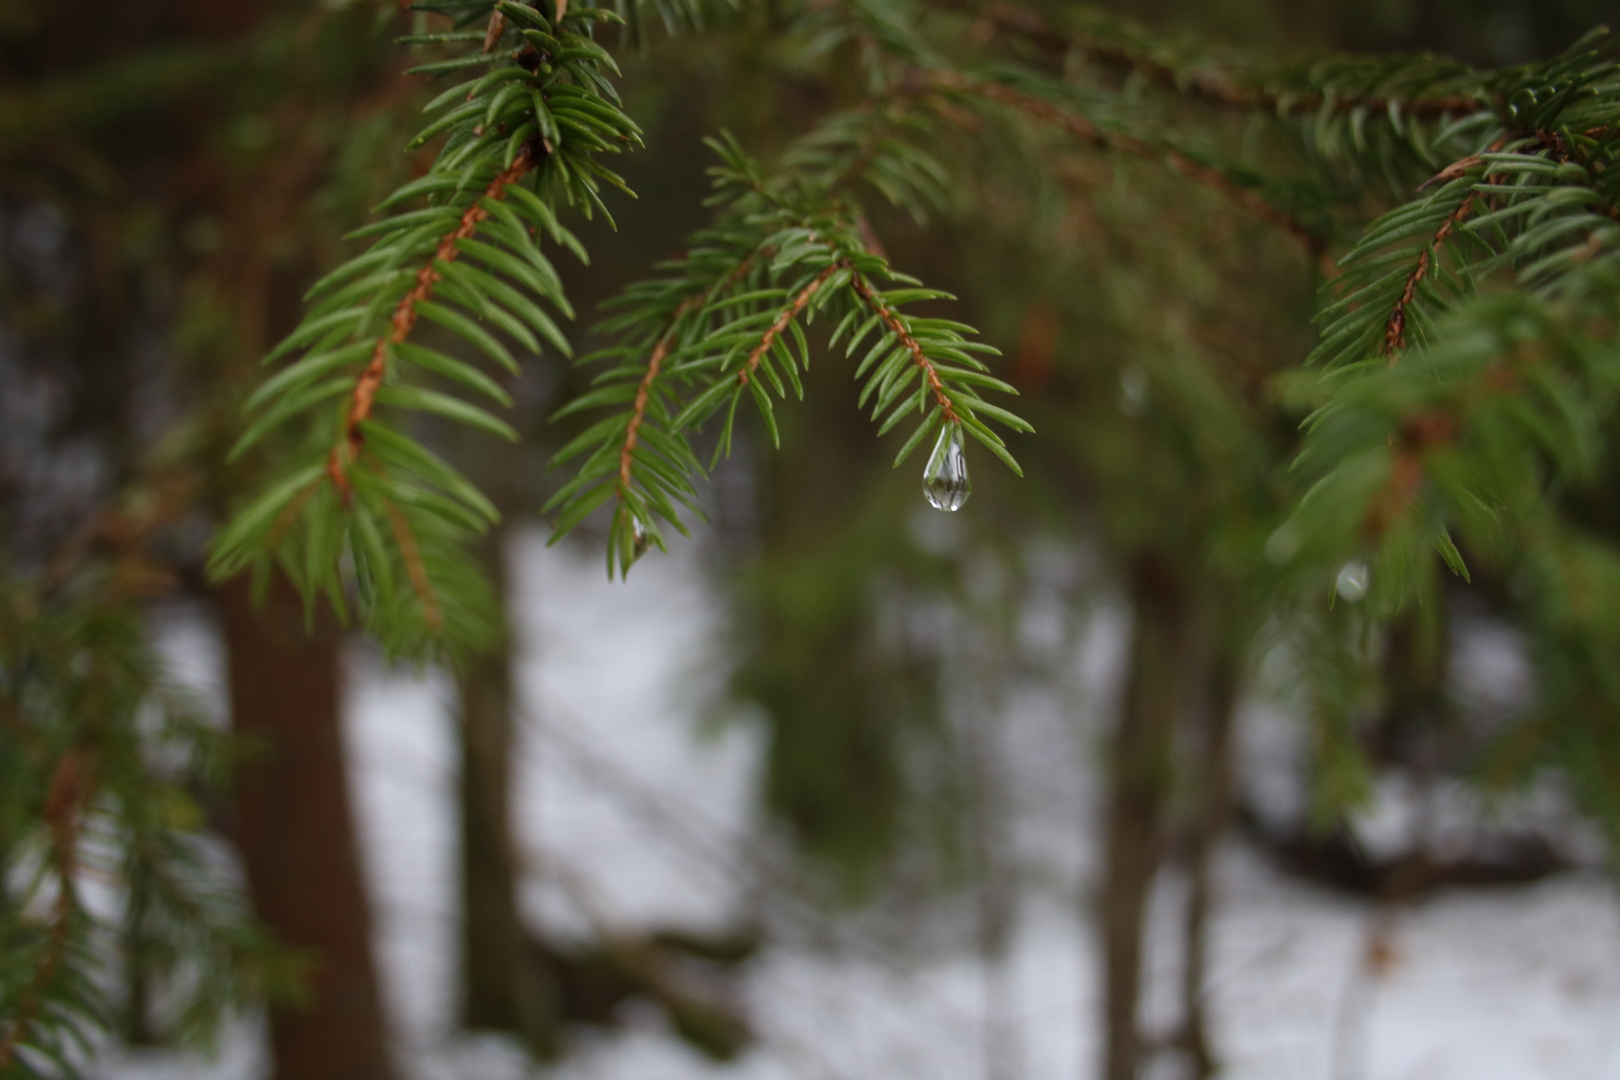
[[1254, 204], [1419, 434], [638, 410], [72, 784], [405, 313], [918, 357], [492, 34], [655, 362], [1455, 171], [1087, 132], [788, 314], [1395, 325], [412, 554], [121, 531], [1206, 86]]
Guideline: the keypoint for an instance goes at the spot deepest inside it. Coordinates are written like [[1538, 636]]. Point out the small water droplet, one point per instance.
[[1282, 545], [945, 480], [640, 539], [1353, 580], [1133, 392]]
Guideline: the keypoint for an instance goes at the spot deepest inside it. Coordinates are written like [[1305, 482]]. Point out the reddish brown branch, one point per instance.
[[1455, 171], [1395, 325], [1206, 86], [1254, 204], [72, 784], [1405, 477], [655, 363], [405, 313], [493, 32], [638, 411], [414, 566], [918, 357], [123, 530], [788, 314], [1418, 434], [1087, 132]]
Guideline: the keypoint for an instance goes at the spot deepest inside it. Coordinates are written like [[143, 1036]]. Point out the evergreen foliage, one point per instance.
[[105, 772], [1459, 398], [363, 512], [1512, 197], [1466, 388], [718, 329]]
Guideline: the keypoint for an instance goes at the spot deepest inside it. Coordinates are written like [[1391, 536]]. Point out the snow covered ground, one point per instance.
[[647, 822]]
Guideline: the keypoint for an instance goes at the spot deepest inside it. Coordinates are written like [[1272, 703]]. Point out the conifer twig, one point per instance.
[[1208, 86], [1395, 325], [411, 553], [492, 33], [660, 352], [918, 357], [405, 312], [788, 314], [1083, 129], [72, 783]]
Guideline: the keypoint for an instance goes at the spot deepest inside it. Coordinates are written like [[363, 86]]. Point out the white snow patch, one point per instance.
[[651, 824]]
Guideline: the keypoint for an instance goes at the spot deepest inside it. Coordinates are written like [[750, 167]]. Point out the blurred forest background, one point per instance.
[[931, 774]]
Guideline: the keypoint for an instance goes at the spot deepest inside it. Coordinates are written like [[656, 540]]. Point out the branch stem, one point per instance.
[[918, 357], [72, 784], [788, 314], [1210, 87], [405, 313], [414, 566], [660, 352], [1088, 132], [1395, 325]]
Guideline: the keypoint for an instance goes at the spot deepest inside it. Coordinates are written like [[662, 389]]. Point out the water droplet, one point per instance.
[[1282, 545], [641, 538], [1353, 580], [1133, 392], [945, 480]]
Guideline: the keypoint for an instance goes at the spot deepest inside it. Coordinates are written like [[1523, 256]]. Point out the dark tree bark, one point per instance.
[[1212, 809], [139, 1029], [1417, 729], [505, 984], [294, 828], [1140, 784]]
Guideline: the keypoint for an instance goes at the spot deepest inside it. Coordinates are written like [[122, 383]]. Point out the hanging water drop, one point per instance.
[[640, 539], [945, 480], [1353, 580]]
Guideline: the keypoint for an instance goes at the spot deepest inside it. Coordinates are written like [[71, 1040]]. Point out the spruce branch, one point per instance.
[[1441, 90], [1395, 325], [408, 309], [902, 334], [411, 552], [785, 248], [1177, 160], [791, 311], [655, 363], [378, 522], [72, 784], [100, 762]]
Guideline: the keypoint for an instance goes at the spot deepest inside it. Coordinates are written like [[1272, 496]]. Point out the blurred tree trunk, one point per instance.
[[1211, 809], [504, 985], [1140, 777], [295, 830], [138, 1028], [1417, 707]]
